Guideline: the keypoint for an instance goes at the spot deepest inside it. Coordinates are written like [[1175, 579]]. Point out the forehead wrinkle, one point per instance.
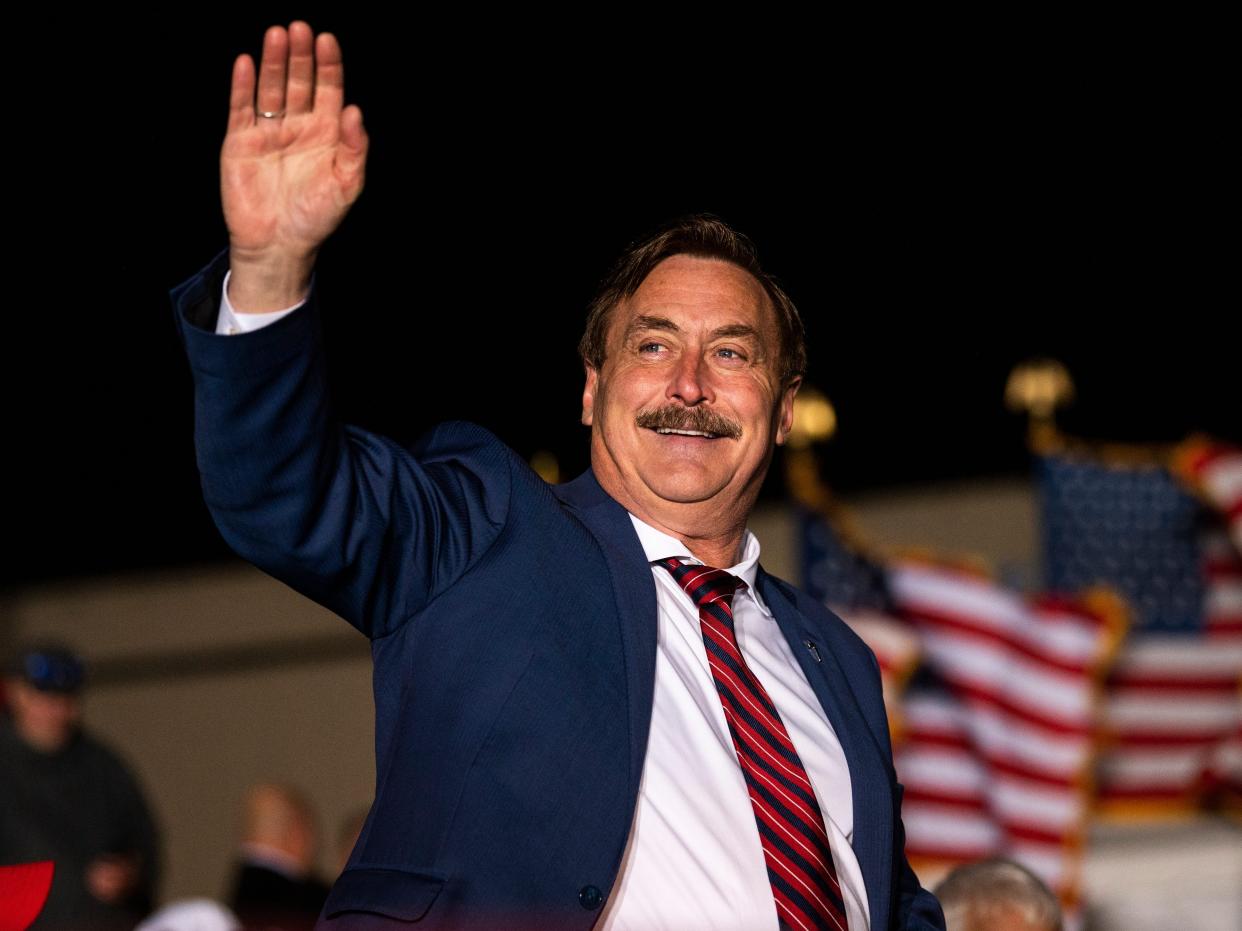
[[728, 331]]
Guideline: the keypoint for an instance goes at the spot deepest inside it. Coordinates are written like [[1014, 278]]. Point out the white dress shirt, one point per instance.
[[230, 322], [693, 858]]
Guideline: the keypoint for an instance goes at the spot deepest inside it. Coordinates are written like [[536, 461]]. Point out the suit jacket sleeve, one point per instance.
[[351, 519], [917, 909]]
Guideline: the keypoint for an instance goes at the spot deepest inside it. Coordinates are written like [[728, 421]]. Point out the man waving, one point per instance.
[[594, 708]]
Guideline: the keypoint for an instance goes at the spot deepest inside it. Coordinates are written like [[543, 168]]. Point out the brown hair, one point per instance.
[[705, 236]]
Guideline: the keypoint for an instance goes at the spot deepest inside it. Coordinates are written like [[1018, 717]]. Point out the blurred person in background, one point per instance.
[[997, 895], [275, 885], [68, 798]]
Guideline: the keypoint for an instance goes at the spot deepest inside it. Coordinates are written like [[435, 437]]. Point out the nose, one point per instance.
[[690, 382]]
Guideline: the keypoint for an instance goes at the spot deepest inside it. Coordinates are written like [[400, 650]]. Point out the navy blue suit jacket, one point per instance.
[[513, 631]]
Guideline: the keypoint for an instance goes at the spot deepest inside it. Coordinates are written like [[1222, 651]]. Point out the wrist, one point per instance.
[[261, 283]]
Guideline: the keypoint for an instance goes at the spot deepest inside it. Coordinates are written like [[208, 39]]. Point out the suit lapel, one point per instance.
[[635, 596], [870, 786]]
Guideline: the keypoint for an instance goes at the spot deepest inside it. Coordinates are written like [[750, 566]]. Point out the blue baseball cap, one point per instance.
[[51, 669]]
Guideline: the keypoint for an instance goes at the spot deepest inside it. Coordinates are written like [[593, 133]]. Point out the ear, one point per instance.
[[588, 394], [786, 412]]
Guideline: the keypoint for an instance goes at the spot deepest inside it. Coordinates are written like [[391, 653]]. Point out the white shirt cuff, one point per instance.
[[230, 322]]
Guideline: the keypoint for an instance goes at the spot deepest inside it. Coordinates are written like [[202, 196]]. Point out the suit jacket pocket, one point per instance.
[[392, 893]]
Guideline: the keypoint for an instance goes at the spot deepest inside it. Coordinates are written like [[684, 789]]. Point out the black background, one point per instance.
[[940, 206]]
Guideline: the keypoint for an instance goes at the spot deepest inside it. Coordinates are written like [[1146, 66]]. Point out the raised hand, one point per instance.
[[292, 164]]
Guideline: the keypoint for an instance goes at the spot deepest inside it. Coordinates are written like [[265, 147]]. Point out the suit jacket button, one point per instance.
[[590, 897]]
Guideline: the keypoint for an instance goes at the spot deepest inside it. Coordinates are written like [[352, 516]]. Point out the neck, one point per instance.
[[713, 532], [720, 551]]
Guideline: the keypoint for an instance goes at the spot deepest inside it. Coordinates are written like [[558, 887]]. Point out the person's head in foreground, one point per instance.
[[997, 895]]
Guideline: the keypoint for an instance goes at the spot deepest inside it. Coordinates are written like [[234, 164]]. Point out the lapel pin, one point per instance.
[[810, 645]]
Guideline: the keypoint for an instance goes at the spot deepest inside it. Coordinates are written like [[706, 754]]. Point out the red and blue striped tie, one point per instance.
[[791, 827]]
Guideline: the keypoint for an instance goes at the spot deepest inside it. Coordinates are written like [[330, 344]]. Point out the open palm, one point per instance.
[[293, 158]]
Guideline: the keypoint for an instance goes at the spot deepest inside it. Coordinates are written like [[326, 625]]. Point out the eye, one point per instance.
[[730, 354], [650, 348]]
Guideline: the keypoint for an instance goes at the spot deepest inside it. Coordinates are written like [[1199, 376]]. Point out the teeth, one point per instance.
[[667, 430]]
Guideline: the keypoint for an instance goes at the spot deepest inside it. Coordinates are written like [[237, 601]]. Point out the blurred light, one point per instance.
[[546, 465], [1038, 387], [814, 421]]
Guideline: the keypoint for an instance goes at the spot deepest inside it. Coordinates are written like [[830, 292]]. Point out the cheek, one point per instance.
[[755, 402], [625, 396]]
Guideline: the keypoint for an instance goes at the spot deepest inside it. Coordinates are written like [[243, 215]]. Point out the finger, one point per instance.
[[300, 89], [351, 155], [241, 94], [272, 70], [329, 75]]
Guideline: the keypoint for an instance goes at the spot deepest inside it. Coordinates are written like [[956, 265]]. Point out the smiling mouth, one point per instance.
[[672, 420], [668, 431]]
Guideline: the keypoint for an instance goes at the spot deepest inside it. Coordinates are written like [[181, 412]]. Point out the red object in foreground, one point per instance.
[[23, 890]]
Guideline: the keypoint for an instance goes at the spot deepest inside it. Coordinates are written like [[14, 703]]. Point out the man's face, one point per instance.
[[45, 720], [688, 403]]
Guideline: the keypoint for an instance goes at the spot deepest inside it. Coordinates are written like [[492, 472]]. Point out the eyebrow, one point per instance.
[[730, 331], [646, 322]]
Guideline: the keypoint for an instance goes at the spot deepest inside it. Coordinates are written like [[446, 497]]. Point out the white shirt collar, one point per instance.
[[658, 545]]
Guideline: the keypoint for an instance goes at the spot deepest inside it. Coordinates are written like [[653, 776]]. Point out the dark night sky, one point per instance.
[[937, 220]]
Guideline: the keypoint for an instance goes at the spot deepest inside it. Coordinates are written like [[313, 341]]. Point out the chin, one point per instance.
[[685, 488]]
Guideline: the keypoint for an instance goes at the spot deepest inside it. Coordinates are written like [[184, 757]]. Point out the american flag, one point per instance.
[[1022, 678], [1173, 700], [997, 727]]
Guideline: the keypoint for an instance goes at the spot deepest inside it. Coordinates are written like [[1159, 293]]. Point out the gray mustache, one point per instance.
[[672, 417]]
